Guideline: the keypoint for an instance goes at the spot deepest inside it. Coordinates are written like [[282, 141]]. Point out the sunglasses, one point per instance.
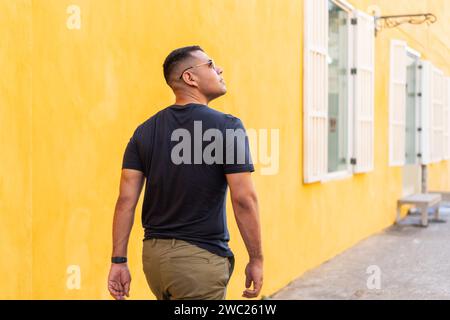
[[210, 64]]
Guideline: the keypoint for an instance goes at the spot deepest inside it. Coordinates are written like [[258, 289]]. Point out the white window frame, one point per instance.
[[418, 101], [315, 157], [348, 171]]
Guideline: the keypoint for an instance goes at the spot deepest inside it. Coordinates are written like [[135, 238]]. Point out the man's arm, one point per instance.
[[245, 207], [131, 183]]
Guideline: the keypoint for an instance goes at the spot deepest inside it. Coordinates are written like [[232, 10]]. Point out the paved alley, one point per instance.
[[413, 263]]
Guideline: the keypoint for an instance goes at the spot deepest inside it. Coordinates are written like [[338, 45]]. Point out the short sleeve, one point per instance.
[[131, 158], [237, 148]]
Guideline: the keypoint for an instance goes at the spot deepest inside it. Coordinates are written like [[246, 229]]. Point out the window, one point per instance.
[[338, 90], [338, 85], [425, 90], [412, 108]]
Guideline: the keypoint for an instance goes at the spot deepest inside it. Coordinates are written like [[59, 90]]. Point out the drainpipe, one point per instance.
[[424, 178]]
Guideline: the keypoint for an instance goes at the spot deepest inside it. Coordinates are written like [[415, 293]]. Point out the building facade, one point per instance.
[[334, 112]]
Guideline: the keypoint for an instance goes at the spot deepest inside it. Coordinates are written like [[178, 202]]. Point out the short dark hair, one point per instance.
[[175, 57]]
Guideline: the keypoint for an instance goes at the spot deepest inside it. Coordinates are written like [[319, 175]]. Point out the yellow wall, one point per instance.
[[15, 144], [91, 88]]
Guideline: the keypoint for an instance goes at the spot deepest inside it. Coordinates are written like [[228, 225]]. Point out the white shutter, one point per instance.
[[425, 112], [315, 90], [397, 103], [447, 118], [437, 115], [364, 92]]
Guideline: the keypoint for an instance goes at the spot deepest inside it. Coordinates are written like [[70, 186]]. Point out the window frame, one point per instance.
[[315, 109], [348, 171], [418, 103]]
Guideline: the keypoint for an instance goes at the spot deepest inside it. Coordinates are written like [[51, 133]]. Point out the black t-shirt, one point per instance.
[[185, 191]]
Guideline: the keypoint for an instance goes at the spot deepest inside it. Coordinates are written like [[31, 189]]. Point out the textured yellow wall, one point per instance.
[[15, 144], [92, 86]]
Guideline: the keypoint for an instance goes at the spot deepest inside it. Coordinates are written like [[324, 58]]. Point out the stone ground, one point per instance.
[[413, 263]]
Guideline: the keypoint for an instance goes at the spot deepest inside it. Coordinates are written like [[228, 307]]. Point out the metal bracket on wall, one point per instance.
[[383, 22]]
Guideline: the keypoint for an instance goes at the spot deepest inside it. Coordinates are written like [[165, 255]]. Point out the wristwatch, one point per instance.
[[118, 259]]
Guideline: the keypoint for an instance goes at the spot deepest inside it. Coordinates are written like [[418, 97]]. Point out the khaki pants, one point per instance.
[[177, 270]]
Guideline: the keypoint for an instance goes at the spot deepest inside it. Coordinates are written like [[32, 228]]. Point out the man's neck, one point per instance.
[[186, 99], [183, 102]]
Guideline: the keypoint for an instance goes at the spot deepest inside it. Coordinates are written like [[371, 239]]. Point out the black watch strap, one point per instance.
[[118, 259]]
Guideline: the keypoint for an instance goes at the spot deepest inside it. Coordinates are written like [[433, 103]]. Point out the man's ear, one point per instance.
[[190, 79]]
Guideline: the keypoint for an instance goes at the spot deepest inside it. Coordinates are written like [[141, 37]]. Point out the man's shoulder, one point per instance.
[[146, 127], [150, 122]]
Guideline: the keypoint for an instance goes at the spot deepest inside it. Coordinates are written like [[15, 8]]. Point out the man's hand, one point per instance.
[[119, 280], [253, 274]]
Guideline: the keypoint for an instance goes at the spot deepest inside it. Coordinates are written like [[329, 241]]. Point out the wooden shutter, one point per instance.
[[446, 118], [437, 115], [364, 92], [425, 112], [397, 103], [315, 90]]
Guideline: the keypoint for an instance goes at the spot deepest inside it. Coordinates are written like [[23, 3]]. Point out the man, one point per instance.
[[185, 251]]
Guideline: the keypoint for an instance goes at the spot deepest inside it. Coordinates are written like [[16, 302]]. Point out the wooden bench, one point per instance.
[[444, 194], [423, 201]]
